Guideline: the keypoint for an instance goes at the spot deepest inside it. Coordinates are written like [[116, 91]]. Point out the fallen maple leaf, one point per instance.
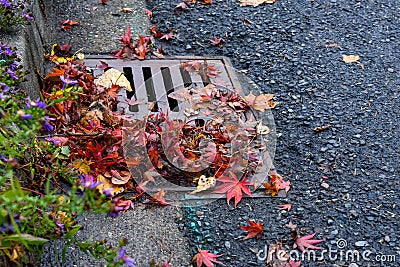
[[233, 188], [168, 36], [254, 230], [291, 226], [113, 77], [352, 59], [255, 2], [181, 6], [292, 263], [260, 102], [67, 24], [287, 207], [206, 258], [206, 2], [277, 256], [306, 242], [160, 197], [149, 13], [216, 41], [204, 183], [126, 10]]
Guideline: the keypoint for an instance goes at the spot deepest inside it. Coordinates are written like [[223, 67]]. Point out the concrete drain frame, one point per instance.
[[153, 80]]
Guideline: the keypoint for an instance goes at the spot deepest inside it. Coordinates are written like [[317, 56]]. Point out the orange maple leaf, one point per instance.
[[254, 230]]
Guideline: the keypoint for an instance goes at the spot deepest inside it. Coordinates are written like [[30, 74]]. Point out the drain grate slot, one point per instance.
[[169, 87], [187, 80], [148, 82], [130, 95]]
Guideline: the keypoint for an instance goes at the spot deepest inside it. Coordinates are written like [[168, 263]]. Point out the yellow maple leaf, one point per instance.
[[113, 76], [83, 166], [204, 183], [108, 186]]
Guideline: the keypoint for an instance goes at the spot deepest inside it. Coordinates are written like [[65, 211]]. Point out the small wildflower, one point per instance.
[[66, 81], [5, 3], [24, 115], [46, 125], [89, 182], [26, 16], [57, 140], [127, 260]]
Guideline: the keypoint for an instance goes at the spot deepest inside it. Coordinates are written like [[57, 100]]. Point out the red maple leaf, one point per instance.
[[306, 242], [67, 24], [168, 36], [254, 230], [285, 207], [215, 41], [233, 188], [206, 258], [104, 66], [292, 263], [149, 13]]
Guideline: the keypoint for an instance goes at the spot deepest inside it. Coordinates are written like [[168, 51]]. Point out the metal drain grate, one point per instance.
[[153, 80]]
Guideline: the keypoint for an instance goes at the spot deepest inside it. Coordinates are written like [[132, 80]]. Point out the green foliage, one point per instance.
[[12, 14], [33, 210]]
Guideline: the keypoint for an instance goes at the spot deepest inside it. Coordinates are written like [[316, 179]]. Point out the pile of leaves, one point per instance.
[[34, 209], [141, 48]]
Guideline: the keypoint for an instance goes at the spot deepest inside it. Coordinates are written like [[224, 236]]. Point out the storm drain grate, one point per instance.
[[154, 80]]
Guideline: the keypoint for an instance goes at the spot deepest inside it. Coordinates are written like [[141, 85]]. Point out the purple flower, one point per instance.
[[3, 96], [5, 3], [26, 116], [66, 81], [46, 125], [12, 74], [38, 103], [128, 261], [57, 140], [26, 16], [89, 182], [4, 87]]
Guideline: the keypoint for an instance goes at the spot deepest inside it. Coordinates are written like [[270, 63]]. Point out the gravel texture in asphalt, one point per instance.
[[345, 180], [99, 24]]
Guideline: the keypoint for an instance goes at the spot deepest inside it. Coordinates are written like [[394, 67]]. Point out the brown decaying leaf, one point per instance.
[[255, 2], [260, 102], [206, 258], [255, 230], [126, 10], [321, 128], [277, 256], [352, 59], [306, 242]]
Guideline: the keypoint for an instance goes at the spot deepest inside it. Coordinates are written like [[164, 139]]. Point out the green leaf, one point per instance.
[[25, 238]]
